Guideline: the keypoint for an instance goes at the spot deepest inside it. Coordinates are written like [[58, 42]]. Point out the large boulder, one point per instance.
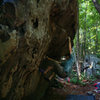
[[92, 65], [30, 30]]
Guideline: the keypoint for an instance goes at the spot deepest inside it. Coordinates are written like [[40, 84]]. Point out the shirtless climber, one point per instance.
[[62, 68]]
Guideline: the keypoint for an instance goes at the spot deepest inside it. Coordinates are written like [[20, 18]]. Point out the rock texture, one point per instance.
[[29, 31]]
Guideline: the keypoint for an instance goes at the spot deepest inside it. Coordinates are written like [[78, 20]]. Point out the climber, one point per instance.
[[62, 69], [68, 62], [47, 73]]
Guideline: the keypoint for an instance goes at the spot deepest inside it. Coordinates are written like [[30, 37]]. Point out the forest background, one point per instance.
[[89, 30]]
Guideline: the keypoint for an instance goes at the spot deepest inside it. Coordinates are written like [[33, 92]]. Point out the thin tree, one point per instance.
[[77, 45], [85, 31], [96, 40]]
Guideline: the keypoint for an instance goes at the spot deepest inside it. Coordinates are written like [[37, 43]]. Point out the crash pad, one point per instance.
[[80, 97]]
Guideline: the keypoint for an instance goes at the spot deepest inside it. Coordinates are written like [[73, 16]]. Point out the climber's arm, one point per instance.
[[70, 47]]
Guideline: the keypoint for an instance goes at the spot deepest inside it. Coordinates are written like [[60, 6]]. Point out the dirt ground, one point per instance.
[[70, 88], [78, 89]]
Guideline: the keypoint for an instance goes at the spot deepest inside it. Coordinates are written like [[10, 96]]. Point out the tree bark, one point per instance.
[[85, 31], [78, 49], [96, 40], [30, 30]]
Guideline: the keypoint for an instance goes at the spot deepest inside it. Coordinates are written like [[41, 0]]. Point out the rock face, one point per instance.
[[91, 66], [29, 31]]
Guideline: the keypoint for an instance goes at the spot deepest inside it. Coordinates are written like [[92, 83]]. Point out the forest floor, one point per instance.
[[73, 89]]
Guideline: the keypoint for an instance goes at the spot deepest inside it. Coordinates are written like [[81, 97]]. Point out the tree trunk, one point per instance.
[[78, 49], [30, 30], [96, 41], [85, 30]]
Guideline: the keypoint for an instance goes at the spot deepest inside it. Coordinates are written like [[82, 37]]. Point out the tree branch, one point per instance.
[[97, 5]]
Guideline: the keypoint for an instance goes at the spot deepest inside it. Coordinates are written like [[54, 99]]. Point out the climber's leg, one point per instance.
[[48, 69], [52, 75]]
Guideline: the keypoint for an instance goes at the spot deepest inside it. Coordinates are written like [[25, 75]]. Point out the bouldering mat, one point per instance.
[[80, 97]]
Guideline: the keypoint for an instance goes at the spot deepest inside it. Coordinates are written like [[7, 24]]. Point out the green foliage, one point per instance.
[[74, 80], [89, 28], [99, 1], [92, 78]]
